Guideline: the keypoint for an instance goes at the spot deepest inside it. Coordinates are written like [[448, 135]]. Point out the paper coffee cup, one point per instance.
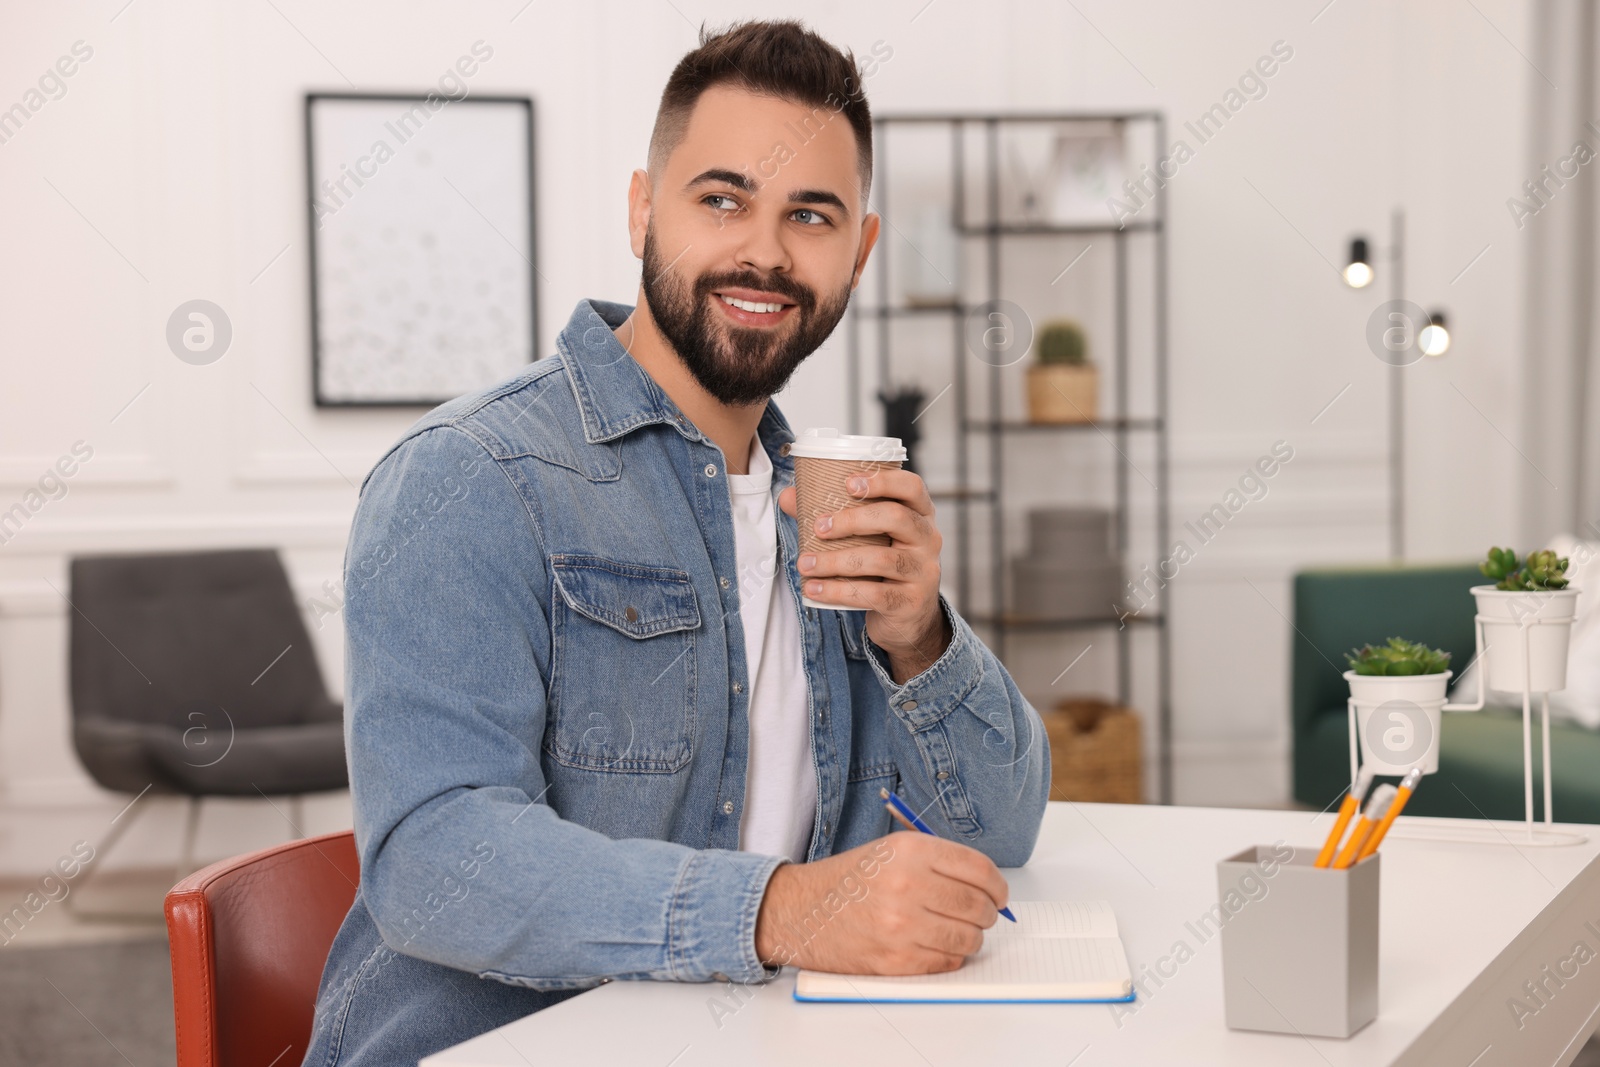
[[824, 459]]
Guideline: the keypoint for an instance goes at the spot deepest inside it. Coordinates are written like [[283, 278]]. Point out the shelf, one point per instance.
[[985, 431], [1023, 622], [1024, 426], [1050, 229]]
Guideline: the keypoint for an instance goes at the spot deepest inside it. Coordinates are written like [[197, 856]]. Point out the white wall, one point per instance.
[[172, 169]]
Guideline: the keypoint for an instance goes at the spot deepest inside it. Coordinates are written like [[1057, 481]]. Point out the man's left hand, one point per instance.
[[903, 613]]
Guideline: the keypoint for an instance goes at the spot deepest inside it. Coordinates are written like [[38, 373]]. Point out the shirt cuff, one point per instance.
[[928, 697], [712, 923]]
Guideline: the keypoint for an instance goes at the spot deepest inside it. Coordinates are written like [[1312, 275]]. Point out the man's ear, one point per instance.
[[638, 210], [870, 225]]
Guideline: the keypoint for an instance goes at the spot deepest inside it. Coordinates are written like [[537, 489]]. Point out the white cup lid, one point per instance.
[[825, 442]]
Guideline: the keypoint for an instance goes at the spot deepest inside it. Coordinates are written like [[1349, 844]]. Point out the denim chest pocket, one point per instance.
[[622, 689]]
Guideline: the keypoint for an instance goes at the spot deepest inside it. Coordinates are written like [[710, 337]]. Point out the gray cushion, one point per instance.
[[277, 759]]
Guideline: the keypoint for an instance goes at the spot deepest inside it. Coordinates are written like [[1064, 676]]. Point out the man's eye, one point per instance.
[[818, 219], [718, 196]]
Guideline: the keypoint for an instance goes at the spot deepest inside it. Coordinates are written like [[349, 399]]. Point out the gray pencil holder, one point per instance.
[[1299, 944]]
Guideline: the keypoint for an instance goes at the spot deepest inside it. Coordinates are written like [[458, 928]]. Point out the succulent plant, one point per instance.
[[1540, 571], [1500, 563], [1061, 341], [1545, 570], [1398, 658]]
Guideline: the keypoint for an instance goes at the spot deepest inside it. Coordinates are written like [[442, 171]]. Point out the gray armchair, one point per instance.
[[193, 673]]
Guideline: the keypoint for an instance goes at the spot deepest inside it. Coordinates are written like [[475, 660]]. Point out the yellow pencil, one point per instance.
[[1408, 785], [1347, 811], [1377, 808]]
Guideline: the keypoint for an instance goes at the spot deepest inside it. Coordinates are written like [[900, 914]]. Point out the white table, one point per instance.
[[1463, 927]]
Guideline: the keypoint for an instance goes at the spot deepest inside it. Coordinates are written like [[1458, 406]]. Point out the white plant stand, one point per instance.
[[1491, 833]]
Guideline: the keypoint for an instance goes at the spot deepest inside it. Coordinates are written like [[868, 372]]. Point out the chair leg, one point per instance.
[[72, 902], [190, 831]]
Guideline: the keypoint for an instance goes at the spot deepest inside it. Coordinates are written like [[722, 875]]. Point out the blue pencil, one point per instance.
[[899, 807]]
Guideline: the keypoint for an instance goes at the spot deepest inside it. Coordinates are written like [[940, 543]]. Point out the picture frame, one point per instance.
[[422, 243], [1087, 169]]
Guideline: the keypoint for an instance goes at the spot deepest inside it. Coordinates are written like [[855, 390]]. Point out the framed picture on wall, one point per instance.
[[421, 216]]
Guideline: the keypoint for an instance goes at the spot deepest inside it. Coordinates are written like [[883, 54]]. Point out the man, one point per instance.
[[593, 733]]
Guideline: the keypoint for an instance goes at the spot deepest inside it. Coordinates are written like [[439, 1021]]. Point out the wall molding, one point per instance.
[[34, 598], [348, 468], [77, 793], [46, 535], [19, 473]]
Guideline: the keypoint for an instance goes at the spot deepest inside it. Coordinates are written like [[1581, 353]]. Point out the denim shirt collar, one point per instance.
[[616, 395]]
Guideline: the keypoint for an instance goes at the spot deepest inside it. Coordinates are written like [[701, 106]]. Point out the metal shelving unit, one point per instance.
[[1120, 427]]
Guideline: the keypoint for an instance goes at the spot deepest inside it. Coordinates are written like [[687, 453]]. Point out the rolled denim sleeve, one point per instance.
[[463, 861], [979, 745]]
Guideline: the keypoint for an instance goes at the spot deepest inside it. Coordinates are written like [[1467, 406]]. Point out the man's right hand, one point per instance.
[[908, 903]]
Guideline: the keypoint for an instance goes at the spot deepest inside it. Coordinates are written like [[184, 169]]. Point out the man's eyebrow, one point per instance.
[[818, 196], [727, 177], [743, 183]]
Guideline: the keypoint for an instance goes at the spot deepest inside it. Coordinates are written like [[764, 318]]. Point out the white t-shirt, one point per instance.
[[780, 780]]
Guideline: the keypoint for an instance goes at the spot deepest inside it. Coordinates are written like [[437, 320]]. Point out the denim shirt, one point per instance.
[[547, 712]]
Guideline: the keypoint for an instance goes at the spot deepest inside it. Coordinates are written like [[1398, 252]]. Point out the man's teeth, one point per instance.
[[751, 305]]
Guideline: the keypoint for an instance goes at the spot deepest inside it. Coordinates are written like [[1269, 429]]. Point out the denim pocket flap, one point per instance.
[[632, 598]]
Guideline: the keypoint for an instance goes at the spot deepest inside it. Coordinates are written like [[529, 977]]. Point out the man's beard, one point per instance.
[[736, 364]]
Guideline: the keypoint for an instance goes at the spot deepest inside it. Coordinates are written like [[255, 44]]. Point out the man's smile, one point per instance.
[[752, 307]]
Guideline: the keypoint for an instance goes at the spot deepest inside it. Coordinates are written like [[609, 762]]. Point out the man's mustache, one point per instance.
[[784, 287]]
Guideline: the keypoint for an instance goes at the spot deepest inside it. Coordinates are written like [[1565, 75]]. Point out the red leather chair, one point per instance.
[[249, 937]]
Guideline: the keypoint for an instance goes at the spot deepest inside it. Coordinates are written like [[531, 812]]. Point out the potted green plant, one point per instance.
[[1399, 689], [1063, 386], [1527, 617]]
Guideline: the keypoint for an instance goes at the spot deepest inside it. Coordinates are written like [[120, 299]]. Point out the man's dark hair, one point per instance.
[[775, 58]]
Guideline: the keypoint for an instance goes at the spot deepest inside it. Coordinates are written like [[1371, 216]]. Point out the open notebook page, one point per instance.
[[1057, 918], [1056, 950]]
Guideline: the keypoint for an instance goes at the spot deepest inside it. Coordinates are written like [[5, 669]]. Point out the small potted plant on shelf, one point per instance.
[[1399, 688], [1063, 386], [1527, 620]]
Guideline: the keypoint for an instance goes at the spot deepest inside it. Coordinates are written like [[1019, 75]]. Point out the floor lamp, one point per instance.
[[1399, 333]]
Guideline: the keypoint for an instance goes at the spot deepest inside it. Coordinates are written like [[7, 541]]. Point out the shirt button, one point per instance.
[[711, 470], [724, 582], [826, 827], [738, 687], [942, 775], [910, 705], [783, 449], [727, 807], [719, 976], [631, 613]]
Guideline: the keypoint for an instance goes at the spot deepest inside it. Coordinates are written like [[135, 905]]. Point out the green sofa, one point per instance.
[[1480, 759]]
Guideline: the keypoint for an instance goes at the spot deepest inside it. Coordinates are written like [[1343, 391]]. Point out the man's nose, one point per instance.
[[761, 249]]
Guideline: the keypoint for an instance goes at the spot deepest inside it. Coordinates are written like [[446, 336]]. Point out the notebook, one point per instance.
[[1057, 950]]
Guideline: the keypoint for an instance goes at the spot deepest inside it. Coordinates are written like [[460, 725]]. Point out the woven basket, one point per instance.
[[1095, 754]]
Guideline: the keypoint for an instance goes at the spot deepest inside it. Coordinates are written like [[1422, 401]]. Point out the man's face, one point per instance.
[[760, 203]]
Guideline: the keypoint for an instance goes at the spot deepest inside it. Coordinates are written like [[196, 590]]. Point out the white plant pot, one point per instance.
[[1540, 622], [1398, 719]]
